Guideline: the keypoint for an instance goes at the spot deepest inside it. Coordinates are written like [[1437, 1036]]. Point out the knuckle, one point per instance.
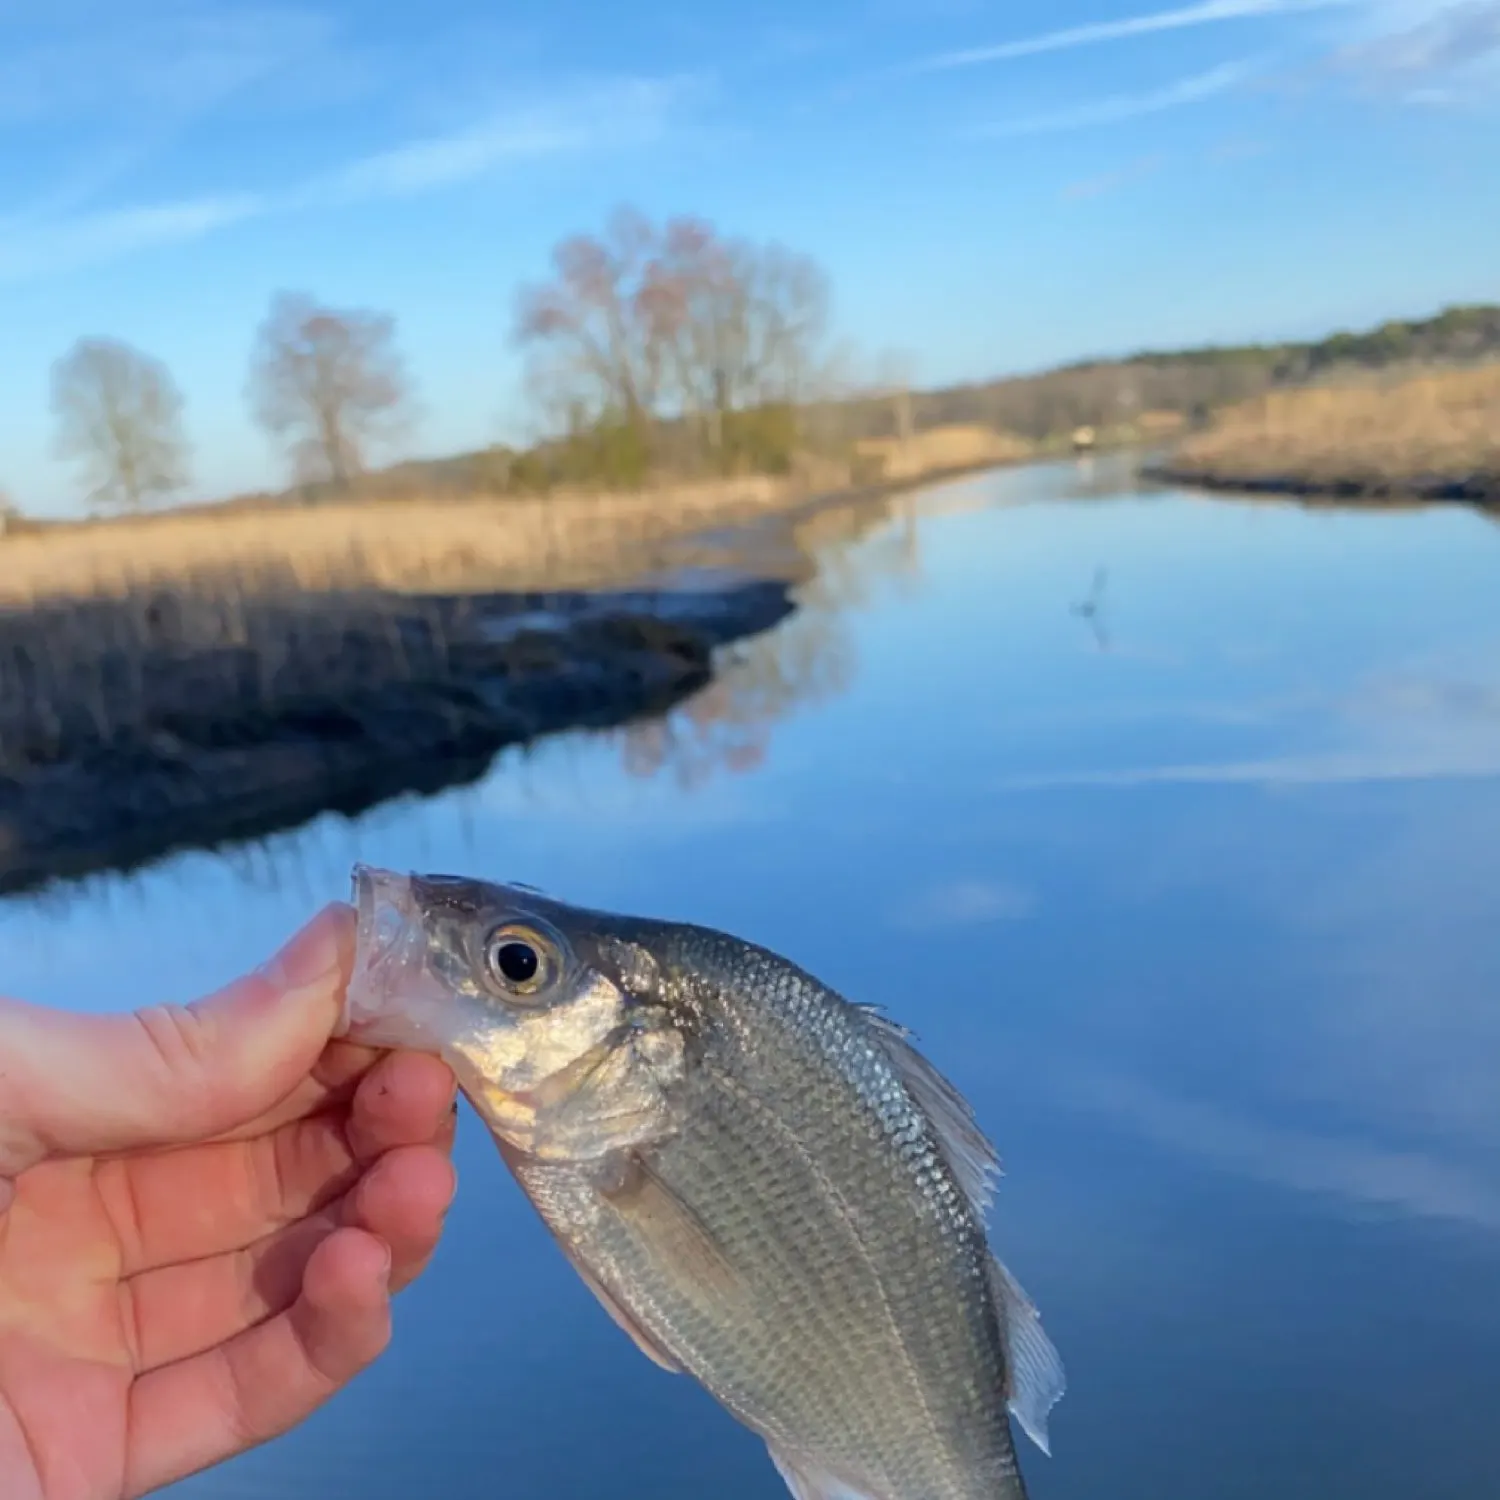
[[179, 1043]]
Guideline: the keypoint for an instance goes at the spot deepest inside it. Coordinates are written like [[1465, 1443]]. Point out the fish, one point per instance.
[[766, 1185]]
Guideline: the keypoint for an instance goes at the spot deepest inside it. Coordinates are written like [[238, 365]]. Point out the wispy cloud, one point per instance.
[[1334, 768], [609, 116], [1207, 13], [1448, 57], [1117, 107], [68, 68], [629, 112], [1111, 182], [1405, 1181], [965, 903]]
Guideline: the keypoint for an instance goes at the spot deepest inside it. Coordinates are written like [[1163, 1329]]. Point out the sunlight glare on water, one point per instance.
[[1172, 825]]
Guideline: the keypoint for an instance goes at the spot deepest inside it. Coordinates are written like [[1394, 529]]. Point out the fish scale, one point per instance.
[[797, 1223], [845, 1330]]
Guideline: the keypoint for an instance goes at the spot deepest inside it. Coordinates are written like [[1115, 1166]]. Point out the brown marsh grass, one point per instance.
[[1400, 432], [398, 546]]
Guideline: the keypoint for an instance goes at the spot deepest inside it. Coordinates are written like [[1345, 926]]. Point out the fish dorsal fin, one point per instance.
[[808, 1484], [1037, 1381], [966, 1148]]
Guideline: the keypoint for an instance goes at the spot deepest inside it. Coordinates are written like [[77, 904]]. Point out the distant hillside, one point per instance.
[[1111, 395], [1193, 382]]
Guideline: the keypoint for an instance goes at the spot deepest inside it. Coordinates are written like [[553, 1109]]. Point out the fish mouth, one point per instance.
[[389, 960]]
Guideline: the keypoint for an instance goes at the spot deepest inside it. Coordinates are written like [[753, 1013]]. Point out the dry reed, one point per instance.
[[1401, 433]]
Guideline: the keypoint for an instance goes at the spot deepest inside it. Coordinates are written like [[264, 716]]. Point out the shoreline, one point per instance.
[[172, 716], [1416, 436], [1481, 490], [207, 766]]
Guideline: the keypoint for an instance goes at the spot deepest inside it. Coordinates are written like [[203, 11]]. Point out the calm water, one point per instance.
[[1201, 912]]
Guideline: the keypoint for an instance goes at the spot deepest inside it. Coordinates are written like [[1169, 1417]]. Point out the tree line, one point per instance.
[[1195, 382], [647, 347], [651, 349]]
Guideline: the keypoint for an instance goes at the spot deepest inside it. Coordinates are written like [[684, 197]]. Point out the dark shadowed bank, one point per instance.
[[111, 758], [1461, 489]]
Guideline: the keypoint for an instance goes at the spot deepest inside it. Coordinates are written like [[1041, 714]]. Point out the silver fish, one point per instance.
[[765, 1185]]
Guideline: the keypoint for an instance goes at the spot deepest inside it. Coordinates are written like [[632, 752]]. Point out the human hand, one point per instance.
[[203, 1212]]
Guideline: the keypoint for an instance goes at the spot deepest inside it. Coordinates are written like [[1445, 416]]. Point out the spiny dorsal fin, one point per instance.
[[965, 1146], [1037, 1381]]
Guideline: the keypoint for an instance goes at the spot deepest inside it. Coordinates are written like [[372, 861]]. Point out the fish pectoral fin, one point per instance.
[[807, 1483], [1037, 1381], [673, 1229], [643, 1340]]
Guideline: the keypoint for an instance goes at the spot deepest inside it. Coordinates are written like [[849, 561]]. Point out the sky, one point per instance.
[[991, 187]]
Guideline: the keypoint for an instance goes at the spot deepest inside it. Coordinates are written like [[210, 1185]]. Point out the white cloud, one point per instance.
[[119, 64], [1207, 13], [1117, 107], [633, 111], [62, 244], [1335, 768], [965, 903], [605, 117], [1428, 54], [1415, 1183], [1422, 723]]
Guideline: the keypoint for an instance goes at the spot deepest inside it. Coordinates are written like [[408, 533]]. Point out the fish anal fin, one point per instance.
[[634, 1190], [967, 1150], [807, 1483], [1037, 1381]]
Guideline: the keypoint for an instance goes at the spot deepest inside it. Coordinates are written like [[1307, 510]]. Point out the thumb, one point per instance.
[[75, 1085]]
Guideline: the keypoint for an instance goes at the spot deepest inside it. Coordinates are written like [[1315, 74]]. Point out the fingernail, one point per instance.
[[313, 953], [385, 1264]]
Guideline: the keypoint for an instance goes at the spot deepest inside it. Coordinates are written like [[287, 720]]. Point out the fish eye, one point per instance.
[[519, 959]]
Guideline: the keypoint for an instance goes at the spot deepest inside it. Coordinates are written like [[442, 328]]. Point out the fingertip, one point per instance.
[[320, 950], [403, 1100], [348, 1272]]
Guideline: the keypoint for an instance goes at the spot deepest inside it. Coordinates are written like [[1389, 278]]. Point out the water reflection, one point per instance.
[[855, 553], [1204, 925]]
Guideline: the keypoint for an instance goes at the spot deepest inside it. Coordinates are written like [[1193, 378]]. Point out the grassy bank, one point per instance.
[[132, 727], [186, 680], [458, 545], [1429, 435]]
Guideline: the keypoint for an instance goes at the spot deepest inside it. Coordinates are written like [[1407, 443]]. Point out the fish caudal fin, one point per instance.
[[1037, 1381], [808, 1484]]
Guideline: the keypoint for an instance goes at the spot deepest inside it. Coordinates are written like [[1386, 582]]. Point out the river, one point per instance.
[[1172, 825]]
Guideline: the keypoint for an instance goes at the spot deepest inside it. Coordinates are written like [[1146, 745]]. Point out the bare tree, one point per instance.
[[119, 414], [740, 322], [646, 323], [590, 325], [894, 377], [330, 384]]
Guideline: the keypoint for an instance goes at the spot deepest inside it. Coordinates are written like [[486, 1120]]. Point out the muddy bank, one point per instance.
[[133, 728], [1466, 489]]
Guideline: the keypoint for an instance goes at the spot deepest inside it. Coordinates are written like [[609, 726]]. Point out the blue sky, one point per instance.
[[991, 187]]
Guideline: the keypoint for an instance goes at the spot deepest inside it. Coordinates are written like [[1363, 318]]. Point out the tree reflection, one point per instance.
[[854, 552]]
